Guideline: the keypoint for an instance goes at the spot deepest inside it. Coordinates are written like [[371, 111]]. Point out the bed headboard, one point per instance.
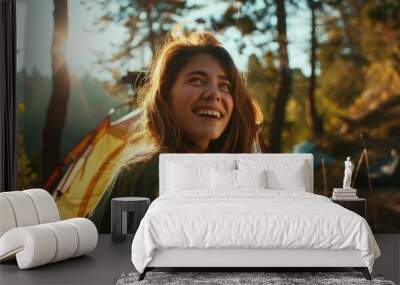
[[214, 157]]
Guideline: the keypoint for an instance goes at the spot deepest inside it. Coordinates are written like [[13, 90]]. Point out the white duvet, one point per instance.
[[252, 218]]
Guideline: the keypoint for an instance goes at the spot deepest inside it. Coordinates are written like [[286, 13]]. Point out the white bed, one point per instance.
[[282, 224]]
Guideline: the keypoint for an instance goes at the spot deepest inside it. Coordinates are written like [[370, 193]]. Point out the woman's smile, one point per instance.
[[209, 112]]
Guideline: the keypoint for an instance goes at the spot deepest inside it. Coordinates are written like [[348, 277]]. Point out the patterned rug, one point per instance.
[[242, 278]]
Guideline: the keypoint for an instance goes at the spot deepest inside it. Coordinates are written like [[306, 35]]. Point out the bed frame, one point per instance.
[[249, 258]]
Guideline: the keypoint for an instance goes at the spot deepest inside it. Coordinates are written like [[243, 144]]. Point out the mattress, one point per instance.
[[250, 218]]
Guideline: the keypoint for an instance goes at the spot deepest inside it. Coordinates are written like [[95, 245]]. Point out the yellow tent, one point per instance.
[[86, 167]]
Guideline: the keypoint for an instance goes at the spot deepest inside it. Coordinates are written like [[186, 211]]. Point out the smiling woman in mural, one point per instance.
[[194, 101]]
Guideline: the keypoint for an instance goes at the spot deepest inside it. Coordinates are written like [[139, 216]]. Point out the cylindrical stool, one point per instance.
[[119, 209]]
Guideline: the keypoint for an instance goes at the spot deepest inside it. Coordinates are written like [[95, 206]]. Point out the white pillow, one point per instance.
[[251, 178], [282, 174], [223, 179], [181, 177], [293, 180], [236, 179]]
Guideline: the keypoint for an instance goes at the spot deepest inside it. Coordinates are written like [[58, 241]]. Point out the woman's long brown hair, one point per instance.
[[158, 131]]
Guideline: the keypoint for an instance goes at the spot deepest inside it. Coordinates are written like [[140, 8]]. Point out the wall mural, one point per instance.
[[104, 86]]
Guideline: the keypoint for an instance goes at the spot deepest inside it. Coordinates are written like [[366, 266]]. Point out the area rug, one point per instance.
[[243, 278]]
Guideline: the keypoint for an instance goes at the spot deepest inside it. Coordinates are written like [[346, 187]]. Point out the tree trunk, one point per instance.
[[285, 81], [57, 108], [351, 31], [314, 121], [151, 33]]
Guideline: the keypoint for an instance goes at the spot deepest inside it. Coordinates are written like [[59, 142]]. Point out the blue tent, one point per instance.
[[309, 147]]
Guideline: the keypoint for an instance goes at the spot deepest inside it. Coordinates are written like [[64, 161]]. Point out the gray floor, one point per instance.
[[110, 260], [389, 262]]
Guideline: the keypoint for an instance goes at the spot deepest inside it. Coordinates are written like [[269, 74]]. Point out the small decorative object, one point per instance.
[[348, 170], [347, 192]]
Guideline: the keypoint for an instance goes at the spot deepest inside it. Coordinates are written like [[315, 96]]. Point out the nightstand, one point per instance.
[[357, 205], [119, 208]]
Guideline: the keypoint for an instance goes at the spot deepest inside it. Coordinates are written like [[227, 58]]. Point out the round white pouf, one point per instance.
[[33, 246], [87, 234], [23, 208], [6, 215], [67, 240], [45, 205]]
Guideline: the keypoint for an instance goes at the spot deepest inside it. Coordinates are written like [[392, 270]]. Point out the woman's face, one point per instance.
[[201, 101]]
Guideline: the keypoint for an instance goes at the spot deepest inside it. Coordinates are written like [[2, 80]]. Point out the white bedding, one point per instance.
[[251, 218]]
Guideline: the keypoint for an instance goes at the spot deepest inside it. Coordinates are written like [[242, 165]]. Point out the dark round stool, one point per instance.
[[119, 208]]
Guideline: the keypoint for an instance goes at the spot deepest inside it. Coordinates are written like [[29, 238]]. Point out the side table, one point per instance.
[[357, 205], [119, 208]]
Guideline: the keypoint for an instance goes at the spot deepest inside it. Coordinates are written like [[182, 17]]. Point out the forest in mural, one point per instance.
[[326, 75]]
